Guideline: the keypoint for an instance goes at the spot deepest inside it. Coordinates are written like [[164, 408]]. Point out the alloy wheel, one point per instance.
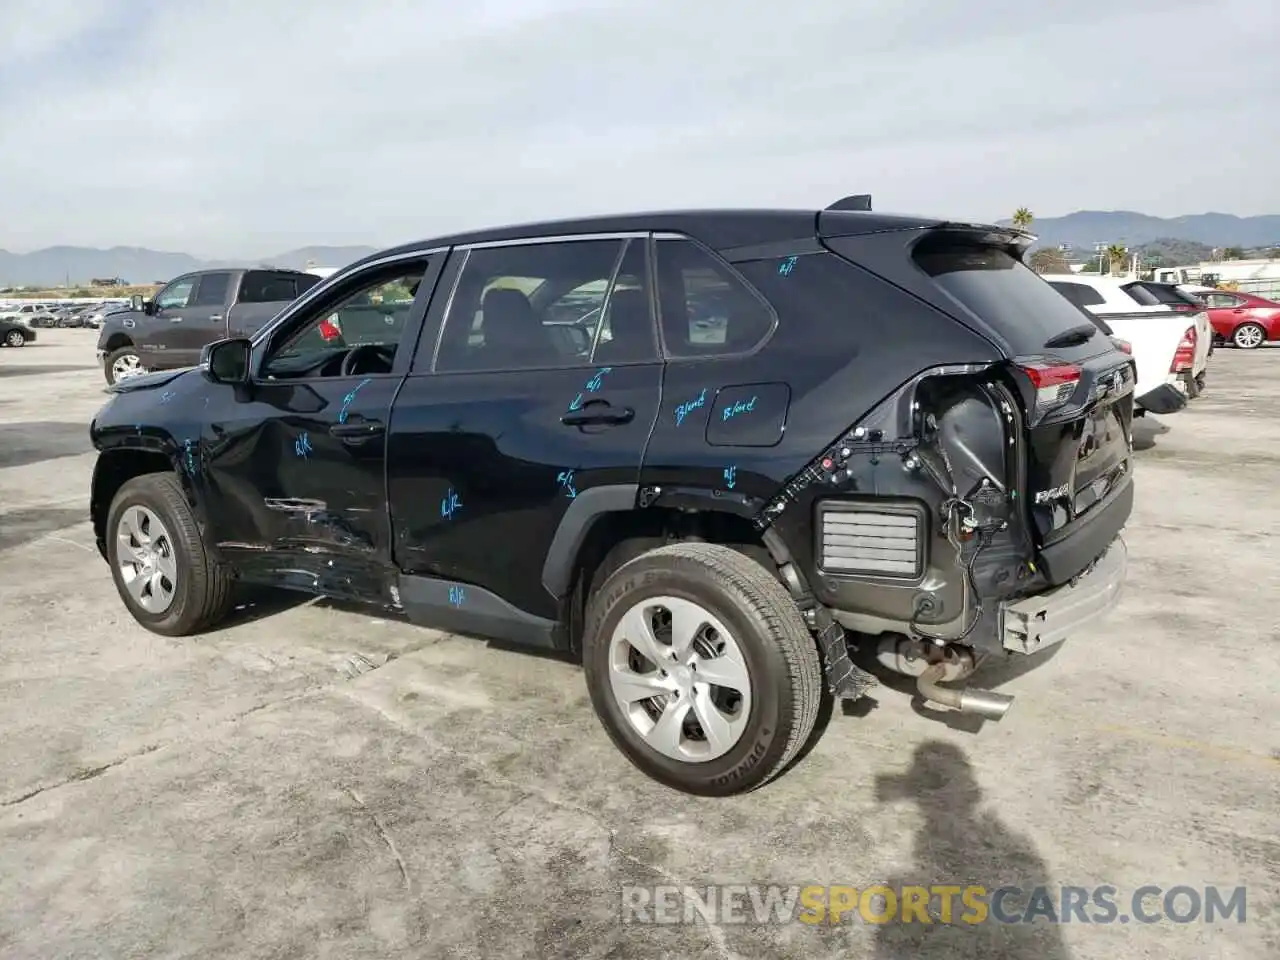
[[127, 365], [1248, 337]]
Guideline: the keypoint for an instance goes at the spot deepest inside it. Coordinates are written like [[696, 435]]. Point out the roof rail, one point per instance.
[[859, 201]]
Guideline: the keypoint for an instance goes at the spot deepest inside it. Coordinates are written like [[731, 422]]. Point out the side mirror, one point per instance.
[[227, 361], [136, 302]]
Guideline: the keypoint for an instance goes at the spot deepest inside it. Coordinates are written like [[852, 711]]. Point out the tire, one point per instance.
[[15, 338], [1249, 336], [766, 639], [200, 588], [120, 357]]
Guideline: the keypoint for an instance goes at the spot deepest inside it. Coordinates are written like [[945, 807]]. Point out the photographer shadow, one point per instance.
[[962, 844]]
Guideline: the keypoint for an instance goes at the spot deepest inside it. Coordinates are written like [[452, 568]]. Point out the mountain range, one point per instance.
[[1082, 230], [1085, 228], [56, 265]]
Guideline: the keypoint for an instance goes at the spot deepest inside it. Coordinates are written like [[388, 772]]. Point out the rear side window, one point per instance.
[[212, 291], [1222, 300], [260, 286], [548, 305], [707, 310], [1006, 293], [1081, 294]]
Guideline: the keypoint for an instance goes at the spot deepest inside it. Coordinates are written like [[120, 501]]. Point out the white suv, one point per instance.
[[1170, 348]]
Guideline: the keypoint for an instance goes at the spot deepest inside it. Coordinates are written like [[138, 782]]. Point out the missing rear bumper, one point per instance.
[[1034, 623]]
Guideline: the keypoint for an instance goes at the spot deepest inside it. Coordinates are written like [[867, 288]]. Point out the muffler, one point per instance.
[[985, 703]]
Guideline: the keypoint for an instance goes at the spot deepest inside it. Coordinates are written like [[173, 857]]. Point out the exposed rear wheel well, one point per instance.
[[616, 538], [114, 469]]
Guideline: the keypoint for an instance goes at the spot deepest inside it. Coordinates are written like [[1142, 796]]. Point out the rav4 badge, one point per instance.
[[1044, 496]]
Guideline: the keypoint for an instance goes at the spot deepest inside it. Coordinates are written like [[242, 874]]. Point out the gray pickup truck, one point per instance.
[[192, 310]]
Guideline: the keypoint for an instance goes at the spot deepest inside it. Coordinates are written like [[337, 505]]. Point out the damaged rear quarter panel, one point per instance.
[[847, 340]]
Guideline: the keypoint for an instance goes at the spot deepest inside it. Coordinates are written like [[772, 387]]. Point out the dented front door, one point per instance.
[[296, 481]]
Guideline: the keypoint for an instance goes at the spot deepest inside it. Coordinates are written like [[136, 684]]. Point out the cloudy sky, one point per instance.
[[228, 128]]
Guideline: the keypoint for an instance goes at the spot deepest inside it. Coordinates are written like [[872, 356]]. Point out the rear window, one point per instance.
[[1004, 292], [1156, 294], [1081, 294]]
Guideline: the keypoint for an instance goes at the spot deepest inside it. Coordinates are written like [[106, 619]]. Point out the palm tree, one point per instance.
[[1022, 218], [1116, 256]]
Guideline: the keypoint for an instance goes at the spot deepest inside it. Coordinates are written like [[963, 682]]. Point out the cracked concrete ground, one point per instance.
[[311, 781]]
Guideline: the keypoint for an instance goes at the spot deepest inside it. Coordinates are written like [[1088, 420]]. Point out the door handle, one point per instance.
[[599, 414], [358, 431], [175, 319], [215, 316]]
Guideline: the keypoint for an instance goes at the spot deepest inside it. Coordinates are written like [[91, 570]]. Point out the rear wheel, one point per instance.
[[15, 338], [158, 560], [1249, 336], [701, 669]]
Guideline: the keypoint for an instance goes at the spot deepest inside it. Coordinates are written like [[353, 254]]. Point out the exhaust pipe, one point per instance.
[[985, 703]]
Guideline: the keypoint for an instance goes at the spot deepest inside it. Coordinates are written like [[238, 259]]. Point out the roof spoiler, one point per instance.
[[858, 201]]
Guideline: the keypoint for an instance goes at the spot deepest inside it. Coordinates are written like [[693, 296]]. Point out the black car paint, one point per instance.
[[173, 337], [444, 499], [8, 326]]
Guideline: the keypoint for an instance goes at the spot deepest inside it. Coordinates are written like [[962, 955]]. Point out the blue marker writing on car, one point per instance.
[[738, 407], [687, 408]]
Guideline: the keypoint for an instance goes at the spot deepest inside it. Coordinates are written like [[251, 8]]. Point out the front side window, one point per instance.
[[707, 310], [358, 331], [212, 290], [177, 294], [544, 305]]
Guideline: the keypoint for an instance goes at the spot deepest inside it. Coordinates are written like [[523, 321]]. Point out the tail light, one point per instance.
[[1053, 382], [1184, 357], [1124, 346]]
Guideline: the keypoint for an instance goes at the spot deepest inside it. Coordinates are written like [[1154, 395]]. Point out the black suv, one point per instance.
[[689, 448]]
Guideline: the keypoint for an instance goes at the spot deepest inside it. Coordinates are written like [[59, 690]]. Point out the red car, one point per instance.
[[1241, 318]]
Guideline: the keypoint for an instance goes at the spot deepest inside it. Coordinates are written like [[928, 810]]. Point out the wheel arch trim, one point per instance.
[[584, 510]]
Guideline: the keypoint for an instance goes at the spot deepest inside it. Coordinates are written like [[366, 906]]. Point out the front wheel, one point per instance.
[[701, 669], [161, 569], [122, 364], [1249, 336], [15, 338]]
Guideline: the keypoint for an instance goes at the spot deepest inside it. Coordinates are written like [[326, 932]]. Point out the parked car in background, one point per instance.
[[1244, 320], [15, 333], [1171, 349], [27, 313], [70, 317], [95, 314], [193, 310]]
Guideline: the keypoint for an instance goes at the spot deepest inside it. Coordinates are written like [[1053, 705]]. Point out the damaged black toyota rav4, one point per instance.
[[692, 449]]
